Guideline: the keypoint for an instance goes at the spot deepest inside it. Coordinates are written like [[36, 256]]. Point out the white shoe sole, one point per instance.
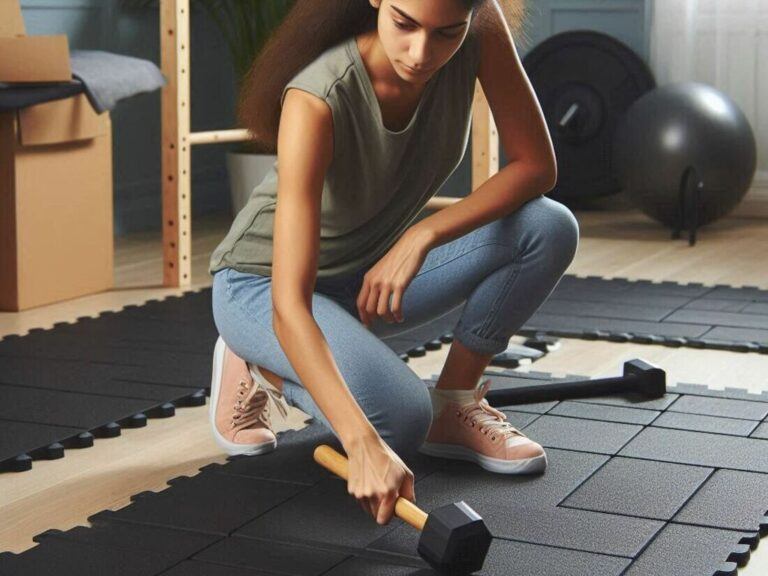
[[499, 465], [231, 448]]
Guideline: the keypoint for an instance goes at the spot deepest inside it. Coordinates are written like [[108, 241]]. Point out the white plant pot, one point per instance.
[[246, 171]]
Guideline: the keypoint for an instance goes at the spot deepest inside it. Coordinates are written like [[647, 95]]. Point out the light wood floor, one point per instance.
[[63, 493]]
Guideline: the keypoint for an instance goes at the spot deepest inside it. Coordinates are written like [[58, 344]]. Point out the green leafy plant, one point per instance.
[[244, 24]]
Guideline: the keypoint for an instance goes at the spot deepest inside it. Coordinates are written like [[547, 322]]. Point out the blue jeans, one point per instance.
[[499, 274]]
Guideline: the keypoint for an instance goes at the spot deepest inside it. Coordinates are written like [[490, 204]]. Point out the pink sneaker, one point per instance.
[[466, 427], [240, 405]]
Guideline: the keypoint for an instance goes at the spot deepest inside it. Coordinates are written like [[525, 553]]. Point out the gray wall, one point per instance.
[[105, 25]]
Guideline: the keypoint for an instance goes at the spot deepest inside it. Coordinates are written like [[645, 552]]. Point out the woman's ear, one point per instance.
[[375, 3]]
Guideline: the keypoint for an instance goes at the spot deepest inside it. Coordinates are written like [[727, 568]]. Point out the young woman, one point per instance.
[[373, 103]]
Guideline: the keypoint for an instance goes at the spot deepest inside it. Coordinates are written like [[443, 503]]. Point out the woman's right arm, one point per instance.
[[305, 150], [377, 476]]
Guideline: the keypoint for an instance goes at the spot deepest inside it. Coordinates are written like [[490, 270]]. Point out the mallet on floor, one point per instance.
[[639, 377], [454, 539]]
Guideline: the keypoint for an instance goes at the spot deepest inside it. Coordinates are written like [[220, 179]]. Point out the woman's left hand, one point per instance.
[[390, 276]]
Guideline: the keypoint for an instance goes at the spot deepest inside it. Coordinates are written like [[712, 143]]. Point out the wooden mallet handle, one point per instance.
[[339, 465]]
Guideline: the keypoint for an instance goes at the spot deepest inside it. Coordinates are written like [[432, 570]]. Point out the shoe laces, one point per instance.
[[275, 395], [251, 406], [488, 419]]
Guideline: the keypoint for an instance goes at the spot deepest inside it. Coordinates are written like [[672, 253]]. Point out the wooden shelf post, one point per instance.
[[485, 140], [176, 154]]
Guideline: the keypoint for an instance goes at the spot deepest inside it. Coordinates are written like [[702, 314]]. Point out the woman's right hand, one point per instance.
[[377, 477]]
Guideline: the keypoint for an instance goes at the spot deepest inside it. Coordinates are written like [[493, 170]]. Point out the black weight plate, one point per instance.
[[602, 78]]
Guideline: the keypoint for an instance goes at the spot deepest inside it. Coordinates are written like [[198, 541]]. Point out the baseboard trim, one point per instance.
[[755, 202]]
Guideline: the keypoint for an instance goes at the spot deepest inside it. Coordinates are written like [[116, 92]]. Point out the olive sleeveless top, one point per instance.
[[379, 179]]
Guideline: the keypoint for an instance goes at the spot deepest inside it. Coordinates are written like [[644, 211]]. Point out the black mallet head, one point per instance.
[[455, 540]]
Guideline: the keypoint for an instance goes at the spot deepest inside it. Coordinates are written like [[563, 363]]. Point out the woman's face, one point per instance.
[[426, 40]]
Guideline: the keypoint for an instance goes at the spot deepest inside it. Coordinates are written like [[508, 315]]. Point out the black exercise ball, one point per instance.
[[685, 134]]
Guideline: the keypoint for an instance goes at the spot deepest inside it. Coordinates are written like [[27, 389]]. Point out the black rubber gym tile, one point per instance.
[[699, 449], [761, 431], [18, 437], [123, 328], [604, 412], [142, 334], [709, 318], [643, 311], [583, 435], [729, 499], [699, 423], [523, 559], [58, 344], [71, 377], [681, 550], [271, 557], [625, 286], [466, 481], [720, 407], [504, 557], [749, 293], [542, 322], [542, 377], [560, 527], [210, 503], [128, 356], [715, 305], [632, 401], [288, 462], [74, 410], [614, 298], [642, 488], [719, 317], [190, 568], [323, 514], [150, 366], [755, 308], [738, 334], [357, 566], [727, 392], [70, 558], [296, 449], [193, 568], [177, 545], [89, 377]]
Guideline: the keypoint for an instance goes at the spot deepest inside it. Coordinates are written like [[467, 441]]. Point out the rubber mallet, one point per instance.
[[639, 377], [454, 539]]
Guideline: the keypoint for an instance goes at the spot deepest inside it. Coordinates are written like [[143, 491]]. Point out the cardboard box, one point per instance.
[[26, 59], [56, 211]]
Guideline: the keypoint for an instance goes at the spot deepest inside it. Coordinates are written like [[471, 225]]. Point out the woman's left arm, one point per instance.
[[532, 168]]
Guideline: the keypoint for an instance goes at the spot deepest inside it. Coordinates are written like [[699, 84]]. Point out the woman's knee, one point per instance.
[[400, 409], [556, 230]]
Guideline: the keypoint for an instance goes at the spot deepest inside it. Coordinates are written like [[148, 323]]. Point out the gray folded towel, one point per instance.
[[111, 77]]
